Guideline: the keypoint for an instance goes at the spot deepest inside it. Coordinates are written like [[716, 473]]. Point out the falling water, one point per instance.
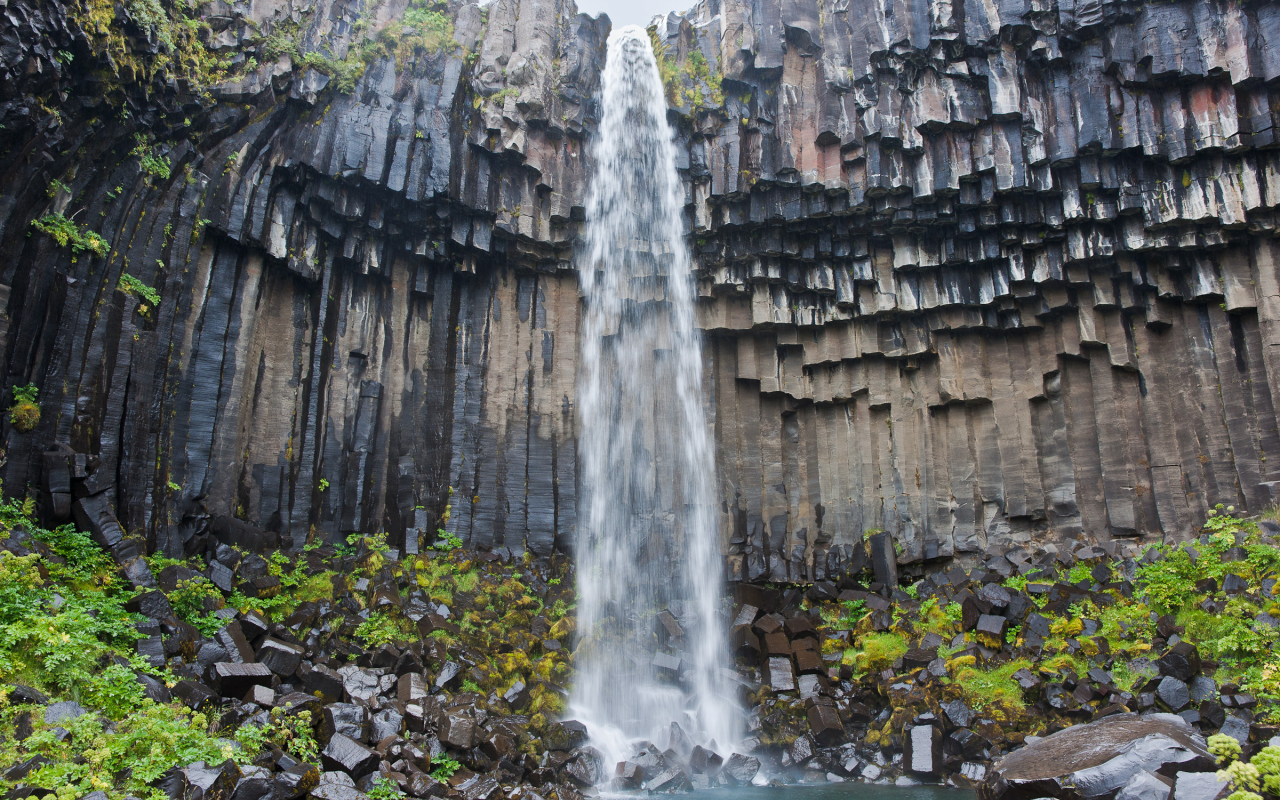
[[647, 540]]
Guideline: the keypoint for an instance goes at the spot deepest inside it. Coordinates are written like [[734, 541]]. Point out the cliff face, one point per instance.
[[978, 274]]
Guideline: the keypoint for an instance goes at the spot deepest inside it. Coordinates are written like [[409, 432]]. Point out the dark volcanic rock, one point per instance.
[[922, 754], [1182, 661], [741, 769], [346, 754]]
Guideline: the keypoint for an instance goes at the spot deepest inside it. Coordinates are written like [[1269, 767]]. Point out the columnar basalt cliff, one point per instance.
[[976, 274]]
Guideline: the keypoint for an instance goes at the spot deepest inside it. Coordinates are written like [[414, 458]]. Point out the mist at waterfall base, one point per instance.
[[647, 538]]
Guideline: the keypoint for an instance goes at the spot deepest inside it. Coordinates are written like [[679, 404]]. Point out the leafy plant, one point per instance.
[[450, 541], [151, 163], [384, 789], [444, 768], [190, 601], [24, 414], [83, 557], [67, 234], [380, 628], [132, 285], [136, 750]]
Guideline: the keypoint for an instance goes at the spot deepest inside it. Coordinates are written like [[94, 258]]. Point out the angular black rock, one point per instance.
[[346, 754]]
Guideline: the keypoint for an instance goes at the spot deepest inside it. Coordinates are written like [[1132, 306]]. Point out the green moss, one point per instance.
[[878, 651], [986, 689]]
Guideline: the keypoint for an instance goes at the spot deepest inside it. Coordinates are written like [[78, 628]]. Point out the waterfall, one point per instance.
[[647, 540]]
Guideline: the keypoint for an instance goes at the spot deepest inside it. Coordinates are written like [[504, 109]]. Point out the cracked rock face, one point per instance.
[[974, 274]]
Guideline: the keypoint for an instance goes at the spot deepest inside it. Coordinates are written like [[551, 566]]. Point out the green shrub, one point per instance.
[[153, 164], [877, 651], [385, 789], [24, 414], [381, 628], [139, 748], [444, 768], [132, 285], [84, 558], [67, 234], [190, 600]]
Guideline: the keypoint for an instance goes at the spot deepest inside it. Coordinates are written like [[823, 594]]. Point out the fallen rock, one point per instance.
[[1199, 786], [346, 754], [741, 769], [1144, 785], [1096, 760]]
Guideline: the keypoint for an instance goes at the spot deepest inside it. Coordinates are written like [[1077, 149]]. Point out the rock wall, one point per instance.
[[975, 274]]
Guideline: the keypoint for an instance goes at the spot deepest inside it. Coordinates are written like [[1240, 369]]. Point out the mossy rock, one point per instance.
[[25, 416]]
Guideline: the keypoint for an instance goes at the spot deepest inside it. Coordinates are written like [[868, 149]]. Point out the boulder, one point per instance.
[[825, 725], [212, 783], [1173, 693], [923, 751], [280, 657], [346, 754], [1096, 760], [1145, 785], [741, 769], [1182, 661], [234, 680], [1199, 786], [779, 675], [565, 735]]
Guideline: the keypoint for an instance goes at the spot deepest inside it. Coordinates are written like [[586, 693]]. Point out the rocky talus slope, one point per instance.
[[356, 672], [979, 275]]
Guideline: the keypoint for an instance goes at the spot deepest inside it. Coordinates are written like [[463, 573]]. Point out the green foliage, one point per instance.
[[470, 686], [844, 616], [125, 759], [434, 27], [668, 70], [1267, 762], [444, 768], [132, 285], [153, 164], [58, 644], [381, 628], [913, 591], [292, 733], [1224, 748], [558, 610], [995, 687], [384, 789], [190, 600], [500, 97], [699, 74], [1080, 572], [954, 612], [876, 651], [323, 485], [24, 414], [67, 234], [1243, 776], [182, 52], [84, 559], [450, 541]]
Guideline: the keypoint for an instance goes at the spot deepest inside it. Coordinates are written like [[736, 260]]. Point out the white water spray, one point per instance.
[[647, 538]]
